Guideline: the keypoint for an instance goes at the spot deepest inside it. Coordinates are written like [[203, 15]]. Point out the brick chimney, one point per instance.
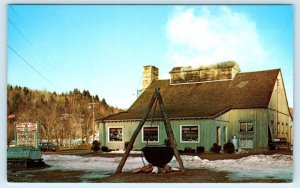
[[150, 73]]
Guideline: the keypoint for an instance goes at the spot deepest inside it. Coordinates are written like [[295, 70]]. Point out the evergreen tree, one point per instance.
[[62, 116], [26, 91], [96, 98], [104, 102]]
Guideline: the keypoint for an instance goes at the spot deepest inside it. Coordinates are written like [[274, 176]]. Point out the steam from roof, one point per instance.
[[226, 64]]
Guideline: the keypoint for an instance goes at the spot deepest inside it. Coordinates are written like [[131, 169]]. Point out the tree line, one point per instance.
[[62, 117]]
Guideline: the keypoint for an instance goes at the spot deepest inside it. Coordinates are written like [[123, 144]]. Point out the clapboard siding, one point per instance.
[[207, 128], [259, 117], [278, 99], [279, 111]]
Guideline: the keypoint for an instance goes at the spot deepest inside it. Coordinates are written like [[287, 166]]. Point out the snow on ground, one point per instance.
[[256, 166], [72, 162], [96, 166]]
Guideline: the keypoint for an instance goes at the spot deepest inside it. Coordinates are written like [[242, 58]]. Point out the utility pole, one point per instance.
[[81, 116], [67, 117], [93, 104]]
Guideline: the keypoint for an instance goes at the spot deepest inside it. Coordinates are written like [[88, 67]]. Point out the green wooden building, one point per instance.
[[206, 105]]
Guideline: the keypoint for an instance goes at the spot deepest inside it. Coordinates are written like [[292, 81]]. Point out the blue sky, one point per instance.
[[104, 48]]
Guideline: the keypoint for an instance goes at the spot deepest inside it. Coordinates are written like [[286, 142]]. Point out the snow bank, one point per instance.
[[96, 167], [255, 166], [105, 164]]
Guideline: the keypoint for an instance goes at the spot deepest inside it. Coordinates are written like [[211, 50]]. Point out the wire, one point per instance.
[[10, 6], [58, 70], [12, 23], [31, 66], [22, 34], [286, 24], [33, 47]]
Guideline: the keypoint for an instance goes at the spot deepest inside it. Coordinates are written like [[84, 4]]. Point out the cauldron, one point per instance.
[[158, 155]]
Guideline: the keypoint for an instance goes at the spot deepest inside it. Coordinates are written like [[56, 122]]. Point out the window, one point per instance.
[[150, 134], [189, 133], [246, 126], [115, 134], [246, 143]]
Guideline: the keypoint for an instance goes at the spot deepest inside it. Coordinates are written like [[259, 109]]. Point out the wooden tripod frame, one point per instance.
[[156, 95]]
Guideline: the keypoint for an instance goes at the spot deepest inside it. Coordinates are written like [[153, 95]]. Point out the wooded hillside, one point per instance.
[[62, 117]]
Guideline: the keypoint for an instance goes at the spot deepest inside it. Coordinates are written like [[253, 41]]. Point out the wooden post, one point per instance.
[[136, 132], [156, 95], [169, 130]]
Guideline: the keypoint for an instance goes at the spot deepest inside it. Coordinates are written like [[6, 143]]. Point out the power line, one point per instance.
[[10, 6], [24, 36], [31, 66], [58, 70], [33, 47], [286, 24]]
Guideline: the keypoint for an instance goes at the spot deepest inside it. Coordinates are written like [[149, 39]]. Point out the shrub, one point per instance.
[[96, 145], [272, 146], [215, 148], [189, 150], [200, 149], [228, 147], [104, 149], [167, 142]]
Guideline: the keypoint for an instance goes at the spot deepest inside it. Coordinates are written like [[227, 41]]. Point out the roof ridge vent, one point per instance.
[[215, 72]]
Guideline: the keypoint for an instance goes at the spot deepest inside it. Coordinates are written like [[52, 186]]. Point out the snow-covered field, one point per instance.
[[256, 166], [96, 166]]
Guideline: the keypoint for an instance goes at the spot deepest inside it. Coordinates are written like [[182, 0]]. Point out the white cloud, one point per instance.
[[206, 35]]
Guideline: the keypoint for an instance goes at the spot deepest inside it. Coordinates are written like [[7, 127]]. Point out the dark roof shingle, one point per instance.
[[207, 99]]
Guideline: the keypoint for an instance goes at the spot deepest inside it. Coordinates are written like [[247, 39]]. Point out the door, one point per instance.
[[218, 136]]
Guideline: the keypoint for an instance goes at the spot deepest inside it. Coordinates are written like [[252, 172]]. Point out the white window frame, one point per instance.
[[247, 122], [108, 134], [247, 139], [145, 141], [181, 141]]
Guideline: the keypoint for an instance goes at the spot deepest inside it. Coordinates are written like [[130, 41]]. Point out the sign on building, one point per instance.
[[26, 134]]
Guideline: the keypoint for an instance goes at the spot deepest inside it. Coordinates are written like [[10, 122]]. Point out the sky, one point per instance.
[[103, 48]]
